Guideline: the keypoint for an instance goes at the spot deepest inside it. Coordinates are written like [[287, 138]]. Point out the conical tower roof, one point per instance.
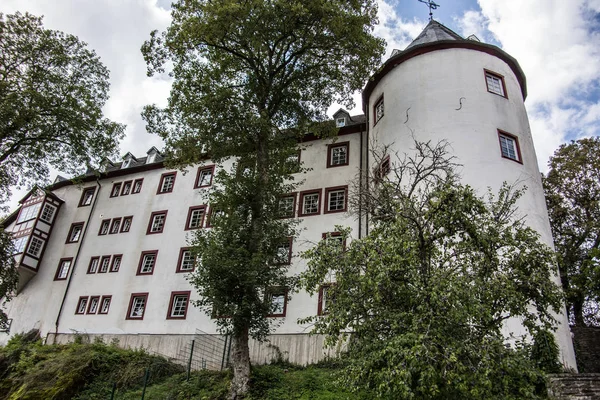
[[434, 32]]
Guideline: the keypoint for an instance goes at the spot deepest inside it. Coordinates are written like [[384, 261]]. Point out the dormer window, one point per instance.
[[126, 163], [340, 122], [150, 159]]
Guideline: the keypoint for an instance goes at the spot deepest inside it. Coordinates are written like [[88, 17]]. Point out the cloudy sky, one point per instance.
[[557, 43]]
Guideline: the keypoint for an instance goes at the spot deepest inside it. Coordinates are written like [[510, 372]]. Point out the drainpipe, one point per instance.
[[367, 169], [87, 225], [360, 187]]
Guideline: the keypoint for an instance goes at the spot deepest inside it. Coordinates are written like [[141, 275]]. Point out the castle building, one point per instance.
[[109, 255]]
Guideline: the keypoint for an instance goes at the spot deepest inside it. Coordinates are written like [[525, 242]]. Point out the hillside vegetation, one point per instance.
[[31, 370]]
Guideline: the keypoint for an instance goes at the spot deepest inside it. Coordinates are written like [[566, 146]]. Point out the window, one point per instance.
[[195, 218], [187, 261], [205, 176], [93, 267], [64, 265], [126, 223], [340, 122], [87, 196], [310, 202], [335, 239], [157, 222], [126, 163], [116, 263], [35, 247], [75, 232], [278, 299], [104, 264], [495, 83], [178, 305], [167, 182], [29, 212], [126, 188], [137, 185], [286, 206], [337, 154], [82, 305], [116, 189], [150, 159], [105, 304], [116, 224], [383, 168], [48, 213], [336, 199], [325, 298], [215, 214], [378, 111], [509, 146], [137, 306], [284, 252], [93, 305], [293, 162], [19, 244], [104, 225], [147, 262]]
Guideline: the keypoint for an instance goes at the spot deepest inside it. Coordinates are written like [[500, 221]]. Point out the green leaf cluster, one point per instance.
[[423, 298]]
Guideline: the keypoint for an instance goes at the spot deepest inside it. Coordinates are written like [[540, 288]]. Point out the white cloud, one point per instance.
[[473, 23], [560, 55], [397, 31]]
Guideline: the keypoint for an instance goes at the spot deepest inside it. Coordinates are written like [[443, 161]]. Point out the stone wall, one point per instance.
[[587, 348], [574, 386]]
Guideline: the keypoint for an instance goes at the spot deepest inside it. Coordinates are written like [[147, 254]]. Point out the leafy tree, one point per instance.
[[250, 79], [424, 296], [572, 188], [52, 90]]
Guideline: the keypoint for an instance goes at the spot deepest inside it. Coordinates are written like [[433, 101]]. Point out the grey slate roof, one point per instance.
[[434, 32]]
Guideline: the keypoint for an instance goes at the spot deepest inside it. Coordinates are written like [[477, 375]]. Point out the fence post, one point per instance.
[[228, 353], [145, 382], [189, 366], [224, 351], [114, 389]]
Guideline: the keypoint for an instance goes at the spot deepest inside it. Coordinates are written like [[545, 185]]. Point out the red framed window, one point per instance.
[[204, 177], [127, 221], [104, 227], [284, 252], [105, 304], [310, 203], [383, 168], [126, 188], [116, 190], [93, 305], [286, 206], [277, 298], [337, 154], [186, 261], [116, 262], [137, 306], [75, 232], [326, 297], [87, 196], [104, 264], [495, 83], [93, 265], [157, 222], [167, 182], [509, 146], [378, 110], [195, 217], [137, 185], [336, 199], [334, 238], [147, 262], [82, 305], [64, 266], [178, 305], [214, 214], [115, 225]]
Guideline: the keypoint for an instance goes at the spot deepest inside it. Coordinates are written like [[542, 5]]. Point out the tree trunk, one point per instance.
[[578, 311], [240, 358]]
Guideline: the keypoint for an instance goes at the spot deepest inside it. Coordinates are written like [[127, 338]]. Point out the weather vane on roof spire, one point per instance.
[[432, 6]]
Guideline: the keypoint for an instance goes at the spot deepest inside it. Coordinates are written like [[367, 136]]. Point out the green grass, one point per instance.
[[80, 371]]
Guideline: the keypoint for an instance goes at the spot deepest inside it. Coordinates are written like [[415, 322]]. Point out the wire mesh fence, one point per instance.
[[206, 351]]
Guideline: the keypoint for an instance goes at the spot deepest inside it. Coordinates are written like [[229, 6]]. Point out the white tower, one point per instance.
[[444, 87]]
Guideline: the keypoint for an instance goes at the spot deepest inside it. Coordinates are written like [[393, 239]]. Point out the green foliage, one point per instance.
[[9, 277], [545, 352], [572, 188], [52, 92], [74, 371], [426, 293]]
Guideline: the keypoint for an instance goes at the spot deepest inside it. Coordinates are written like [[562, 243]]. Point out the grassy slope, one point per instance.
[[30, 370]]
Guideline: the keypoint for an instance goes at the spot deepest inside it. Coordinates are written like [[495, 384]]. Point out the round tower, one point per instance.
[[470, 94]]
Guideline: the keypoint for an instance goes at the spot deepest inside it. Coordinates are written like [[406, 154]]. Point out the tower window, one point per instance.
[[509, 146], [378, 110], [286, 206], [495, 83]]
